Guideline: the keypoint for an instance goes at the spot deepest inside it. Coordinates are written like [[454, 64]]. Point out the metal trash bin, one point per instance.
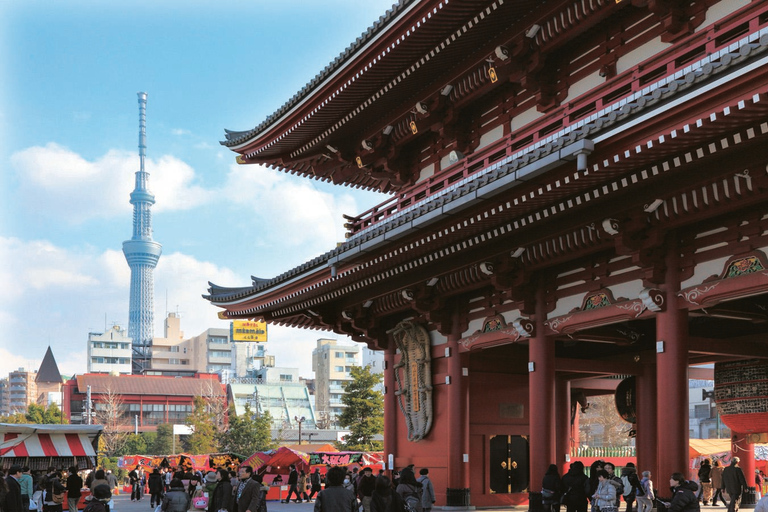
[[749, 497], [535, 503], [456, 497]]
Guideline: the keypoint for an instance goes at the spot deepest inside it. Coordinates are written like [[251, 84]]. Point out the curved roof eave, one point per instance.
[[238, 139]]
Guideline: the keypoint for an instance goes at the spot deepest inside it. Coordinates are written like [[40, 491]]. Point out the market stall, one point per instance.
[[43, 446]]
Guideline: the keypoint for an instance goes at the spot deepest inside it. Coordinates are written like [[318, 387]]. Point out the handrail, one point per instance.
[[581, 110]]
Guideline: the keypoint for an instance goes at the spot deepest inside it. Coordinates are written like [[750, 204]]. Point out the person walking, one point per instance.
[[428, 490], [302, 486], [133, 479], [74, 484], [365, 487], [156, 487], [716, 475], [683, 497], [735, 484], [13, 501], [112, 479], [335, 497], [177, 498], [293, 481], [631, 484], [705, 471], [384, 498], [576, 488], [409, 489], [645, 493], [551, 489], [315, 484]]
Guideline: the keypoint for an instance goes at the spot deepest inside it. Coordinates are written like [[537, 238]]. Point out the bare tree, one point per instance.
[[215, 402], [110, 413], [601, 424]]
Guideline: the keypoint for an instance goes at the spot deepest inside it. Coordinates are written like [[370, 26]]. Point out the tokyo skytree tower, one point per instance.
[[142, 254]]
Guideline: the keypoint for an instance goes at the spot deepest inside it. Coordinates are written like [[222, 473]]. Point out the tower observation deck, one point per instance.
[[142, 254]]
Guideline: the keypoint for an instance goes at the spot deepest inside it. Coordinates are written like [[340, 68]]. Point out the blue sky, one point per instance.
[[69, 74]]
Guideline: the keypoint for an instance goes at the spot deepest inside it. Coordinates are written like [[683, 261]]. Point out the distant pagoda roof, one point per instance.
[[49, 370]]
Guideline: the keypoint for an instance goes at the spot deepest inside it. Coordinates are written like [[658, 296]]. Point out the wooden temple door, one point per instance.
[[508, 459]]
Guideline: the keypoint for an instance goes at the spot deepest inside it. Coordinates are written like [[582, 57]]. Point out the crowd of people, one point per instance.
[[603, 490]]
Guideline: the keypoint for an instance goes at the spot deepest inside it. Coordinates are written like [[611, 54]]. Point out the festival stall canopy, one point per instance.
[[257, 459], [704, 447], [283, 458], [49, 444]]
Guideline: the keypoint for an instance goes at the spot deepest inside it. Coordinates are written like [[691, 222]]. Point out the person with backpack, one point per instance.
[[645, 494], [631, 483], [615, 481], [705, 493], [409, 490], [384, 499]]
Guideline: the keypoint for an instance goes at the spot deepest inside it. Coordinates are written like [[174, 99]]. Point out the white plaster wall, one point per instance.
[[524, 118], [474, 325], [640, 54], [436, 338], [426, 172], [444, 162], [586, 84], [491, 136], [720, 10], [629, 290]]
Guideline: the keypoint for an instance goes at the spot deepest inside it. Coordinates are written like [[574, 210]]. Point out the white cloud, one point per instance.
[[56, 296], [58, 177], [180, 131], [290, 209]]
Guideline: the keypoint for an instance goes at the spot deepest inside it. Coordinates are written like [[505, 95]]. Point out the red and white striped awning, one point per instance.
[[47, 440], [46, 445]]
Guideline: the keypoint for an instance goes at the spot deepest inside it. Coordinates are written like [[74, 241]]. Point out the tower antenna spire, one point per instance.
[[142, 254]]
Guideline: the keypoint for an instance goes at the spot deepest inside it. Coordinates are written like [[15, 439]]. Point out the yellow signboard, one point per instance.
[[248, 330]]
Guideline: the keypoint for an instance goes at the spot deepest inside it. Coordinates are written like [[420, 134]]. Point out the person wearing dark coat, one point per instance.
[[156, 487], [735, 484], [683, 494], [13, 501], [705, 493], [177, 498], [221, 497], [74, 484], [335, 498], [293, 482], [551, 489], [384, 499], [576, 488], [248, 493]]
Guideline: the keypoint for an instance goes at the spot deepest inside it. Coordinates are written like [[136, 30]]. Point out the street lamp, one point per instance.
[[300, 421]]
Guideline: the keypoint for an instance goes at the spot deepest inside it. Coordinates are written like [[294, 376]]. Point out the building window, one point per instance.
[[174, 361], [218, 340], [173, 349], [701, 411], [338, 368], [338, 355], [286, 377]]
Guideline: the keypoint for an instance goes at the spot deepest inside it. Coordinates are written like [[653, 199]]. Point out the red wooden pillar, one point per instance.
[[541, 395], [467, 413], [563, 430], [647, 457], [746, 452], [390, 404], [456, 416], [672, 375]]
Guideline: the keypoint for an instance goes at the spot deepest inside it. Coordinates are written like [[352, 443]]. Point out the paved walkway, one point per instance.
[[123, 504]]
